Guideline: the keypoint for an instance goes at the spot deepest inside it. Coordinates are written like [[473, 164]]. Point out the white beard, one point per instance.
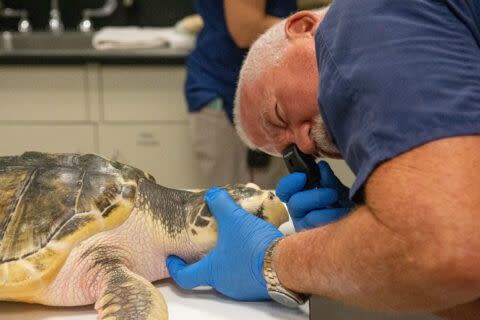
[[323, 140]]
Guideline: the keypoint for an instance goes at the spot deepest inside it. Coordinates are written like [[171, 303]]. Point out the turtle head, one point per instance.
[[262, 203], [202, 227]]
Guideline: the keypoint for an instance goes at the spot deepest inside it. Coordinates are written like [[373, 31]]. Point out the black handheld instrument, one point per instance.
[[297, 161]]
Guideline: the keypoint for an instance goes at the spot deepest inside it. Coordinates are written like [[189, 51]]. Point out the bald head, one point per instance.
[[276, 98]]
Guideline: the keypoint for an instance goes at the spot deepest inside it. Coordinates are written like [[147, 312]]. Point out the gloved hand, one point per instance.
[[234, 266], [315, 207]]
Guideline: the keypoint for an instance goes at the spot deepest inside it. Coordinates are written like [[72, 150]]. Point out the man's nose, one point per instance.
[[303, 138]]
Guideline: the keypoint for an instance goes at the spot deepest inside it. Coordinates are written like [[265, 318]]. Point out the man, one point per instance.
[[398, 88]]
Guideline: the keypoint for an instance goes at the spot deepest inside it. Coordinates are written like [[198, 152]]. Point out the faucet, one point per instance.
[[23, 24], [55, 23], [108, 8]]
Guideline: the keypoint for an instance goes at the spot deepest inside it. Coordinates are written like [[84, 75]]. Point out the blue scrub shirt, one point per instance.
[[396, 74], [214, 65]]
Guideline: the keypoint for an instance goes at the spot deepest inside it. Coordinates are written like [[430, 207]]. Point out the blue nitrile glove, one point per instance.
[[234, 266], [315, 207]]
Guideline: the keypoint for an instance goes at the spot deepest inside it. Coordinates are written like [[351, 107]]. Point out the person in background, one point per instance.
[[230, 27], [312, 4]]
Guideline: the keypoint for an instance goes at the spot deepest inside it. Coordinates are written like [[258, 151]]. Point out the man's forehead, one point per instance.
[[251, 109], [256, 95]]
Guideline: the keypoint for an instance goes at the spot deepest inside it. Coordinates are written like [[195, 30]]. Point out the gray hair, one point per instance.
[[267, 51]]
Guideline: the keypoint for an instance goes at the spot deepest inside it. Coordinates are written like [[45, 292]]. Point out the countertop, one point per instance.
[[131, 56], [77, 48], [199, 305]]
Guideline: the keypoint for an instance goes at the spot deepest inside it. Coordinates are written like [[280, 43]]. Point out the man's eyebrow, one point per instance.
[[279, 114], [266, 119], [271, 131]]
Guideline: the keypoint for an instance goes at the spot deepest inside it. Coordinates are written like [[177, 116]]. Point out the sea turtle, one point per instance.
[[81, 229]]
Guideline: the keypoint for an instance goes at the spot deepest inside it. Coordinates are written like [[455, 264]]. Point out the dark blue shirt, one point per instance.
[[396, 74], [214, 65]]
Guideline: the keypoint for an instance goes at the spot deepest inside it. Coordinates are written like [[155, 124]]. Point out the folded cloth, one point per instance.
[[192, 24], [141, 38]]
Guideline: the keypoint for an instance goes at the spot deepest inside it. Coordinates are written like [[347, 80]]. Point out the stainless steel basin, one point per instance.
[[45, 41]]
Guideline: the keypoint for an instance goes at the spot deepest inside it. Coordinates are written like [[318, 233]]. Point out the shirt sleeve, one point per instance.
[[397, 74]]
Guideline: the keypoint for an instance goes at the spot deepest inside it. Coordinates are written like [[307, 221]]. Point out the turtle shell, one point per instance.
[[48, 204]]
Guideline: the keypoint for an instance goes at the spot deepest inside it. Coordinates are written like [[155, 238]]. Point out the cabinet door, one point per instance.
[[17, 139], [41, 93], [162, 150], [342, 171], [143, 93]]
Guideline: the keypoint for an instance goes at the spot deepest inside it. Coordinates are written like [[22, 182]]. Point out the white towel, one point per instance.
[[141, 38]]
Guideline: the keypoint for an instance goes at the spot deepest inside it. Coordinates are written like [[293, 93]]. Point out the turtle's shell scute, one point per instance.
[[51, 196]]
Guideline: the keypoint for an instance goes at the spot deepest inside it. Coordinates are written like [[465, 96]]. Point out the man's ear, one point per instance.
[[301, 24]]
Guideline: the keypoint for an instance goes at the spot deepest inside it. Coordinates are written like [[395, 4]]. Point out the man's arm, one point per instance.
[[414, 246], [246, 20]]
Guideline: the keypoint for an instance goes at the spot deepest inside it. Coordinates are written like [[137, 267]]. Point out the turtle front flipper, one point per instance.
[[127, 296]]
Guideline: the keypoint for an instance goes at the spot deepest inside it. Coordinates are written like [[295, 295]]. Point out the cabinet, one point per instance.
[[147, 94], [162, 150], [40, 93], [342, 171], [133, 114], [18, 138]]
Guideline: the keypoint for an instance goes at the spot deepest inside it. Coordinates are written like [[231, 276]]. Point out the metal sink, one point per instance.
[[76, 47], [45, 41]]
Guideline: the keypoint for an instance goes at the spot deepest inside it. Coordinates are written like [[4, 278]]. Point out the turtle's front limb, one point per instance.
[[128, 296]]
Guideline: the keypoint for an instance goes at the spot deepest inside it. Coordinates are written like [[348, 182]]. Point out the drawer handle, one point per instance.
[[147, 139]]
